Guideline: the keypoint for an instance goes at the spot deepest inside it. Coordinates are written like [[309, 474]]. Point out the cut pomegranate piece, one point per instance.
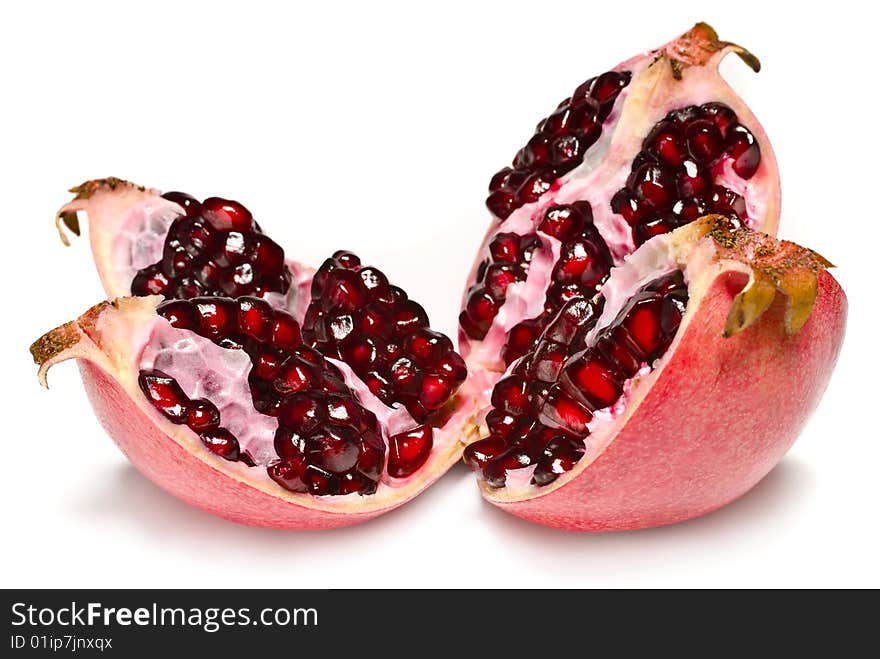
[[656, 409], [330, 383], [221, 402], [668, 143]]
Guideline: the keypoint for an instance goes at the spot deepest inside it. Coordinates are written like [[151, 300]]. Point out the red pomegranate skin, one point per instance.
[[745, 398]]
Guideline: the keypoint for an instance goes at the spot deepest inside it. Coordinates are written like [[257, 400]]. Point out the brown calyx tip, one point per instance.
[[775, 265], [49, 347], [89, 188], [52, 344], [698, 45]]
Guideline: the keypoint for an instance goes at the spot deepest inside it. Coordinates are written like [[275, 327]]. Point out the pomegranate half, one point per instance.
[[672, 393], [260, 390], [622, 236]]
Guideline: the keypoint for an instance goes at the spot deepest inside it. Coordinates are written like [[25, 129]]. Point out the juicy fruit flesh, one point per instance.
[[358, 317], [583, 266], [690, 164], [558, 145], [326, 441], [541, 412], [214, 248], [507, 263], [673, 178]]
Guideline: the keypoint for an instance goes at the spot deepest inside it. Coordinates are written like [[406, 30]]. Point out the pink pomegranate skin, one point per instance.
[[178, 471], [745, 400]]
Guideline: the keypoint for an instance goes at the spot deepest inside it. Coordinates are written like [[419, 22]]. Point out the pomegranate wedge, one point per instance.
[[327, 390], [673, 392], [223, 404], [648, 146]]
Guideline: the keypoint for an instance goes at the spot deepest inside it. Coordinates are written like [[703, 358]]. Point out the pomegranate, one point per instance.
[[620, 318], [259, 390], [650, 145], [672, 392]]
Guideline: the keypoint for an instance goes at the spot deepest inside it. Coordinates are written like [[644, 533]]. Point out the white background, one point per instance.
[[375, 127]]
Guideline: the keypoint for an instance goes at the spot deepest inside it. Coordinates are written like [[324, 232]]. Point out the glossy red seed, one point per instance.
[[255, 318], [335, 448], [289, 474], [285, 331], [596, 383], [165, 394], [221, 442], [226, 214], [295, 375], [217, 316], [435, 391], [303, 412], [202, 415], [408, 451], [190, 205], [510, 395], [478, 454], [180, 314], [562, 411], [745, 152]]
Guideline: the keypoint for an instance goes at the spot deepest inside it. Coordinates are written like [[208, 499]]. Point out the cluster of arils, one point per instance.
[[673, 179], [542, 409], [327, 442], [214, 248], [558, 145]]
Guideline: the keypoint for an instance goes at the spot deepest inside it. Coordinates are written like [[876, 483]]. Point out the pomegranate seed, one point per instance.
[[408, 451], [255, 318], [285, 332], [289, 474], [478, 454], [495, 472], [221, 442], [150, 281], [510, 395], [336, 448], [180, 314], [217, 316], [745, 152], [435, 391], [561, 411], [595, 382], [202, 415], [295, 374], [191, 206], [165, 394], [303, 412], [560, 455], [226, 214]]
